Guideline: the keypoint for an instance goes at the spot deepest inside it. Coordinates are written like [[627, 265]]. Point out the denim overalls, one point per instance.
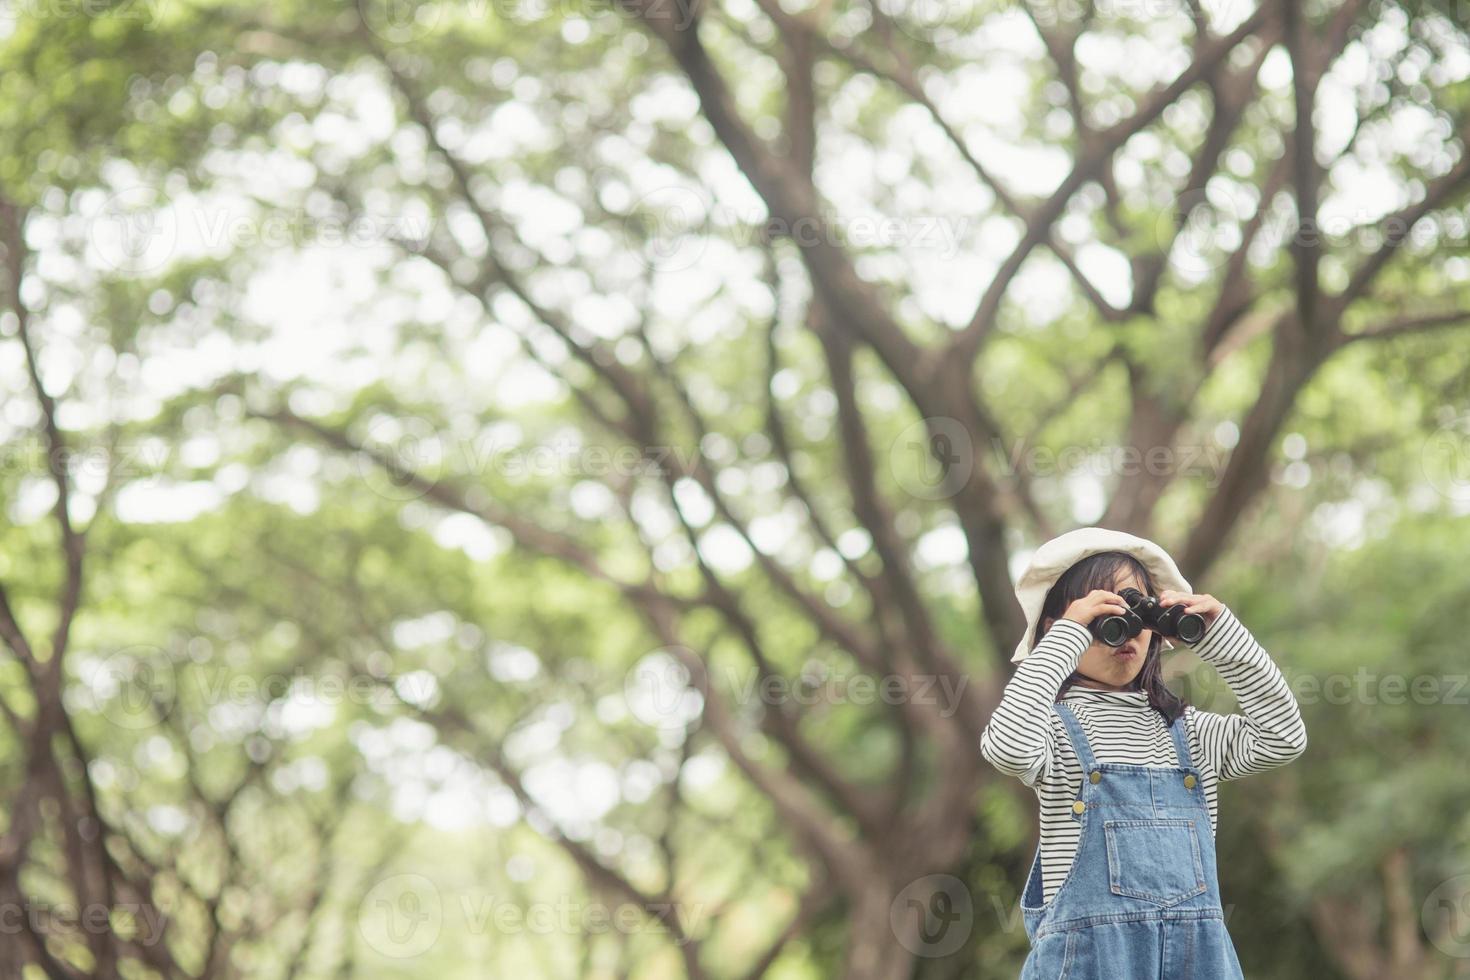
[[1141, 901]]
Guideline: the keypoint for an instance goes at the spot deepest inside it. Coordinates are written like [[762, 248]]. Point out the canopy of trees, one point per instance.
[[534, 489]]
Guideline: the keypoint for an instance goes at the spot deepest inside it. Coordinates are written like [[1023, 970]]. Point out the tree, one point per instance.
[[791, 465]]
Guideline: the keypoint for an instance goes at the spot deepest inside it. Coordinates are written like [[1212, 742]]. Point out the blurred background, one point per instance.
[[529, 489]]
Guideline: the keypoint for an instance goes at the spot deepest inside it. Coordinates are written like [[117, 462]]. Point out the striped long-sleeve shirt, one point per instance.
[[1027, 739]]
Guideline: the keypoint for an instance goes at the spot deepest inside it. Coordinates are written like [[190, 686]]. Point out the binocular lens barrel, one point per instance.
[[1190, 628], [1113, 630], [1145, 612]]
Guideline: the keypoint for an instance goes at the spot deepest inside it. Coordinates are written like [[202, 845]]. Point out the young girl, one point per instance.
[[1123, 884]]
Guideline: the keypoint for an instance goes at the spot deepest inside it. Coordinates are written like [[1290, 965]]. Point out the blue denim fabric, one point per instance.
[[1142, 899]]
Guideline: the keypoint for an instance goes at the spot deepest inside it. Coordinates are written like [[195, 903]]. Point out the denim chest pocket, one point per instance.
[[1154, 860]]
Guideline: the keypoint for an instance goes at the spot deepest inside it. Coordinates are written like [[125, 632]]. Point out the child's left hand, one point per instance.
[[1206, 605]]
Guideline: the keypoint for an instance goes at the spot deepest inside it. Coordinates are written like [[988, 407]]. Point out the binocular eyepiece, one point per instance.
[[1144, 612]]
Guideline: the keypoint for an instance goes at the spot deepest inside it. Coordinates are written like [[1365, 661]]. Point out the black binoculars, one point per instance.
[[1144, 612]]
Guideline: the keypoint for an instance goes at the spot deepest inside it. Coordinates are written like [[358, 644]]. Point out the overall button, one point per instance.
[[1078, 807], [1189, 781], [1096, 776]]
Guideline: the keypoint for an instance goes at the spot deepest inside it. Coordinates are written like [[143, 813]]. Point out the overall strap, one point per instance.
[[1181, 742], [1078, 736]]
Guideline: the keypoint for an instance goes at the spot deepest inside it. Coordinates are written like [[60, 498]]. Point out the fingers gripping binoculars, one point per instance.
[[1144, 612]]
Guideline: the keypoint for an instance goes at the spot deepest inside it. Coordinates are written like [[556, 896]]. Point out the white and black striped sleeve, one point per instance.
[[1269, 732], [1018, 740]]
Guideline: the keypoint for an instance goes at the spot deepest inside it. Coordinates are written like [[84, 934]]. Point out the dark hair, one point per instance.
[[1100, 571]]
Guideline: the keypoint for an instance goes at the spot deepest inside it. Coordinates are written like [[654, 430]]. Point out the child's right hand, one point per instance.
[[1098, 602]]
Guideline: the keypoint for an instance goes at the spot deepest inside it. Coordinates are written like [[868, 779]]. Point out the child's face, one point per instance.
[[1118, 666]]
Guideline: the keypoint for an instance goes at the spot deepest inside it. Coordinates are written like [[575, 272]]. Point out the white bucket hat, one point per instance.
[[1063, 551]]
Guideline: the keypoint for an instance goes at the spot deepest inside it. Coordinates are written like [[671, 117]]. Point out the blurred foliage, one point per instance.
[[302, 683]]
